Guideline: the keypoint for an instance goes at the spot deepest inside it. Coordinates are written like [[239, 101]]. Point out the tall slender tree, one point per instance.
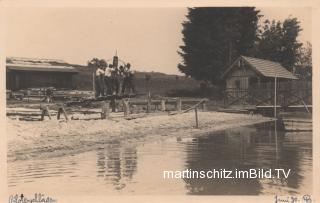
[[214, 37]]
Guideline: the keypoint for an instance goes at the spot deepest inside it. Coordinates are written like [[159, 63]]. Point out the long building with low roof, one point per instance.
[[23, 73]]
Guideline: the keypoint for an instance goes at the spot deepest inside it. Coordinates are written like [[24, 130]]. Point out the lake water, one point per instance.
[[136, 166]]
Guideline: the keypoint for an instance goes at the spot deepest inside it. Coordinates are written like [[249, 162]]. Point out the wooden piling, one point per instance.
[[105, 109], [163, 105], [196, 114], [149, 103], [204, 106], [45, 110], [113, 104], [58, 114], [179, 104], [64, 113], [43, 113], [61, 109], [126, 108]]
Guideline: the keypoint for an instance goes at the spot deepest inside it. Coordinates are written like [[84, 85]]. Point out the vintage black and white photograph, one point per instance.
[[187, 101]]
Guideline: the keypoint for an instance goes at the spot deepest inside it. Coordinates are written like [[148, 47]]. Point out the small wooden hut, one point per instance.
[[253, 79]]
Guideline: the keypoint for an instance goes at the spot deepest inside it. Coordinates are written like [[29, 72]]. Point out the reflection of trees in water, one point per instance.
[[116, 163], [242, 148], [295, 152], [286, 151], [221, 151]]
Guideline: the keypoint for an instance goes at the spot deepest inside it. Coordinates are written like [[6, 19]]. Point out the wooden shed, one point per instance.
[[22, 73], [248, 77]]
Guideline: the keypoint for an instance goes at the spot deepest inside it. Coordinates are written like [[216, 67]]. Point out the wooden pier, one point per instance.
[[286, 96], [104, 106]]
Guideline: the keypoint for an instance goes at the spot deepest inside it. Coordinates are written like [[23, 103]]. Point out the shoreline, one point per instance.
[[29, 140]]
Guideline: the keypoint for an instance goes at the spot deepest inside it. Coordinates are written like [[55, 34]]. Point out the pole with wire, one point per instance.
[[275, 96]]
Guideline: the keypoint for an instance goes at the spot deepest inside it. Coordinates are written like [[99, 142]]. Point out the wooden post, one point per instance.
[[204, 106], [93, 81], [149, 103], [43, 114], [108, 109], [64, 113], [45, 110], [275, 97], [113, 104], [61, 109], [105, 109], [48, 112], [28, 95], [196, 114], [126, 108], [163, 105], [179, 104], [58, 114]]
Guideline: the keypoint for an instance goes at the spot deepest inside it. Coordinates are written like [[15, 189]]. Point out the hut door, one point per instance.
[[253, 84], [237, 86]]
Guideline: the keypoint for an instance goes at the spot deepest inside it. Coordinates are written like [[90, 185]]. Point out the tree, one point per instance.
[[278, 42], [213, 38], [305, 56], [95, 62], [303, 66]]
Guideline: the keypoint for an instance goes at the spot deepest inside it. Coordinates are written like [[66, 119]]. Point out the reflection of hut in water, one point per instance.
[[116, 164]]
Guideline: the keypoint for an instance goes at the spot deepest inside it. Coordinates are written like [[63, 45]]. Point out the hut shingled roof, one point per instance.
[[266, 68]]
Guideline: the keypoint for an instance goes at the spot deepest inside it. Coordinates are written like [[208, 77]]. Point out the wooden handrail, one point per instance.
[[189, 109]]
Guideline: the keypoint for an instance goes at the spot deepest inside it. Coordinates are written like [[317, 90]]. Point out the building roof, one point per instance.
[[266, 68], [34, 64]]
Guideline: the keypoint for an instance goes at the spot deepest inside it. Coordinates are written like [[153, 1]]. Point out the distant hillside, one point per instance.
[[160, 83], [141, 74], [138, 74]]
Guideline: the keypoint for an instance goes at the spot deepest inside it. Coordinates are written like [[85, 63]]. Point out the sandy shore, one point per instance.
[[53, 138]]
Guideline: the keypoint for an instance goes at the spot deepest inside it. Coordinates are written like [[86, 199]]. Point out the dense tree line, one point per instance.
[[214, 37]]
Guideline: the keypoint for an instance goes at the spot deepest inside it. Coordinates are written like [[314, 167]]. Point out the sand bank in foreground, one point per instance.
[[53, 138]]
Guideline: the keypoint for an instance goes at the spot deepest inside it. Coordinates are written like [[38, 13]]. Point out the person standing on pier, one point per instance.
[[114, 79], [120, 77], [128, 80], [108, 80], [99, 81]]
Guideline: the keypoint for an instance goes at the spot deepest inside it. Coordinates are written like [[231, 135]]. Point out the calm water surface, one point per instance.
[[136, 166]]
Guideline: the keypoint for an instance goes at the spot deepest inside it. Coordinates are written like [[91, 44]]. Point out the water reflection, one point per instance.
[[243, 148], [135, 167], [116, 164]]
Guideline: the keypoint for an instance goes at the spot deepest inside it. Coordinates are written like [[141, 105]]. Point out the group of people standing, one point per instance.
[[113, 80]]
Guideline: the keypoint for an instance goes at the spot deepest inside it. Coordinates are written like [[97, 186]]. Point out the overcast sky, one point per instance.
[[148, 38]]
